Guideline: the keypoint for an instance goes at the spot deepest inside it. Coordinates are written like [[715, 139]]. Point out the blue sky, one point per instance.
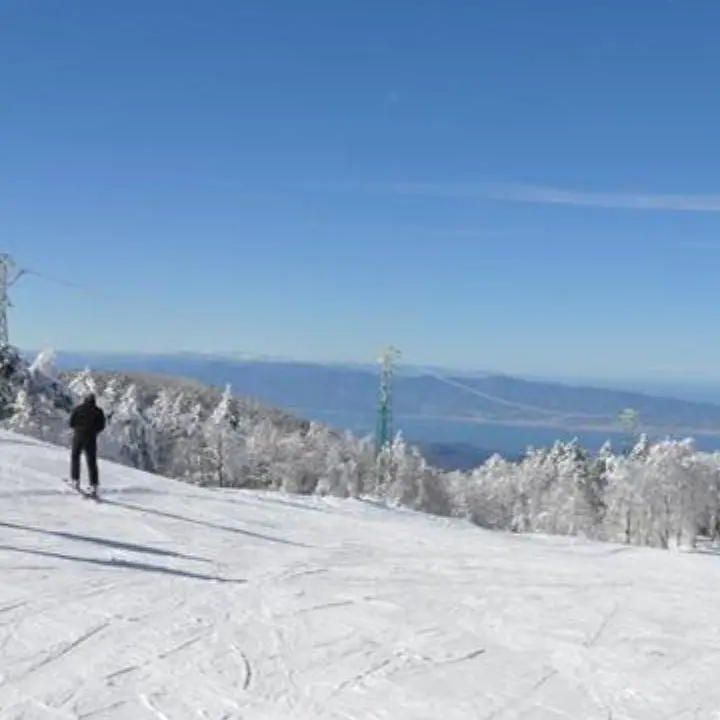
[[524, 186]]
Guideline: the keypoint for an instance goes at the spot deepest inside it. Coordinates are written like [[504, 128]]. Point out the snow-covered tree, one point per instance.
[[44, 365], [496, 496], [306, 459], [83, 384], [223, 449], [129, 436], [170, 425], [34, 414], [109, 396], [655, 493], [263, 455], [663, 496], [21, 418], [577, 494]]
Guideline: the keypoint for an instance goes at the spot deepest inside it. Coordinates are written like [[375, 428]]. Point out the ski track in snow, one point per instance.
[[170, 602]]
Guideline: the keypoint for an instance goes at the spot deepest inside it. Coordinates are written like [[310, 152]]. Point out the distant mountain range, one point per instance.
[[419, 392]]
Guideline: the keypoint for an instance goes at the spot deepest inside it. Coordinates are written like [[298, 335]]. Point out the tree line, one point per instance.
[[658, 494]]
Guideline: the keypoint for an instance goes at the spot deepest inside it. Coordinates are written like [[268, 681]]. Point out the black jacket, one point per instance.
[[87, 420]]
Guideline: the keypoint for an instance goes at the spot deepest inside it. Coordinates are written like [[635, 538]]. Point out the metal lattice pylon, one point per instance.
[[9, 274], [384, 430]]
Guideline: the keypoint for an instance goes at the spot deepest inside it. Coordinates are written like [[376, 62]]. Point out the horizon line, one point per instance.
[[532, 376]]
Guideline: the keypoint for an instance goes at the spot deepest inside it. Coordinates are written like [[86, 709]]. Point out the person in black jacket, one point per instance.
[[87, 421]]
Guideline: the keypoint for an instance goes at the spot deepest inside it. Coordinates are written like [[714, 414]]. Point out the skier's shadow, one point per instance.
[[30, 493], [106, 542], [273, 501], [123, 565], [203, 523], [20, 441]]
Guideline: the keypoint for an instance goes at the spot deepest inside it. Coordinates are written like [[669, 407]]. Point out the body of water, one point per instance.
[[504, 439]]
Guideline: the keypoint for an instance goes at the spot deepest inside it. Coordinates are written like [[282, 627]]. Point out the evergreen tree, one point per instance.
[[34, 414], [223, 455], [83, 384], [130, 437]]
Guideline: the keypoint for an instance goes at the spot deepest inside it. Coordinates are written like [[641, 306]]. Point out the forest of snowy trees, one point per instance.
[[658, 494]]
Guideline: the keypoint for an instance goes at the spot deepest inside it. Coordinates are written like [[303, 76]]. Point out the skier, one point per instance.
[[87, 421]]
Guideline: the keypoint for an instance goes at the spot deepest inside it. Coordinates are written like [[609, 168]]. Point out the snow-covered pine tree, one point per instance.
[[496, 496], [43, 365], [170, 429], [334, 479], [305, 459], [21, 413], [406, 467], [8, 390], [129, 437], [384, 475], [189, 458], [34, 414], [109, 397], [36, 378], [574, 496], [349, 468], [82, 384], [40, 378], [538, 475], [223, 453], [709, 466], [263, 456]]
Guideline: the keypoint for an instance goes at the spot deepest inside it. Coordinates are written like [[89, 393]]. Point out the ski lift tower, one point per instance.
[[384, 430], [9, 275]]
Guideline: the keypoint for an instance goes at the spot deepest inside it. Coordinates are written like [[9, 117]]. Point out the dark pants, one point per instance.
[[88, 446]]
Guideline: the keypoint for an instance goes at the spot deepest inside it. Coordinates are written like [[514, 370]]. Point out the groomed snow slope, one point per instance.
[[169, 602]]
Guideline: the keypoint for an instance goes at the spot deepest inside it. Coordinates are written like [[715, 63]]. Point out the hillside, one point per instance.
[[648, 492], [173, 601], [181, 429], [311, 389], [150, 385]]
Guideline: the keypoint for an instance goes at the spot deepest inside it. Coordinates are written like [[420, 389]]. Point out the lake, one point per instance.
[[504, 439]]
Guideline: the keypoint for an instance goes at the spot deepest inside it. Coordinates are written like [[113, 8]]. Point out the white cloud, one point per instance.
[[556, 196]]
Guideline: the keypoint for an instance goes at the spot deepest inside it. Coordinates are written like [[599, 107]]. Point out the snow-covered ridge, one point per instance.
[[173, 601], [660, 494]]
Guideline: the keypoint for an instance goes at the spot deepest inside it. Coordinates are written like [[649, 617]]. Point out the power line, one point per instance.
[[511, 403], [10, 273], [72, 285]]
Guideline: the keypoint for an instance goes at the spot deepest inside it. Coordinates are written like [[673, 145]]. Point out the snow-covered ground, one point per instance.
[[169, 602]]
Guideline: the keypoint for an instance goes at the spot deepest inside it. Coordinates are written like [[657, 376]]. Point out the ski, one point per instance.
[[80, 491]]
